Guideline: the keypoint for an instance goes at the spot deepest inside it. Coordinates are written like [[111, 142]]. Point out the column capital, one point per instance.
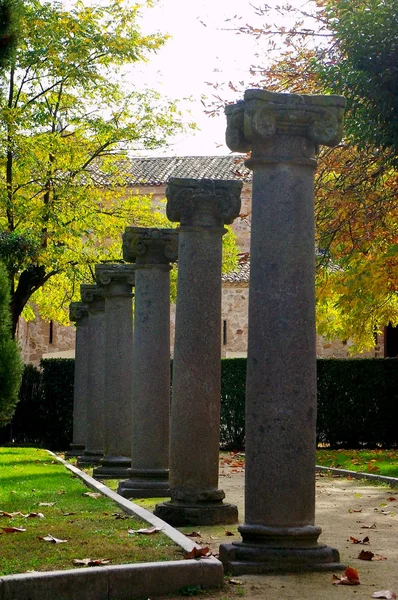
[[150, 246], [77, 311], [263, 115], [203, 202], [114, 278], [92, 296]]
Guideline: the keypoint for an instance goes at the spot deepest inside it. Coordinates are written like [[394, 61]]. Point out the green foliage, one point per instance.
[[68, 115], [10, 360], [9, 25], [362, 64], [44, 415], [233, 383], [357, 402]]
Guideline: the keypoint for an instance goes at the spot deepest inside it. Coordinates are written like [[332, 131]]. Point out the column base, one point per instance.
[[89, 458], [74, 450], [145, 483], [112, 467], [180, 514], [278, 550]]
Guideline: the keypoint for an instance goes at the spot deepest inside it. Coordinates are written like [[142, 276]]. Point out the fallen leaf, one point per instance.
[[193, 534], [228, 532], [373, 526], [13, 529], [350, 577], [148, 531], [90, 562], [198, 553], [68, 514], [119, 516], [60, 492], [47, 503], [51, 538], [92, 494], [387, 594], [379, 557], [391, 499], [356, 541], [355, 510], [235, 581], [35, 515], [365, 555]]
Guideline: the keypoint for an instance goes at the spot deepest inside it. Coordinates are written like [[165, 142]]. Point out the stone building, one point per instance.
[[148, 176]]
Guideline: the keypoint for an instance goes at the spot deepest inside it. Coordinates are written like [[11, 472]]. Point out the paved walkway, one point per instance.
[[345, 508]]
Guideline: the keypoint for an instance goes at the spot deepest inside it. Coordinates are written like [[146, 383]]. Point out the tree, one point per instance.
[[67, 112], [10, 360], [318, 50]]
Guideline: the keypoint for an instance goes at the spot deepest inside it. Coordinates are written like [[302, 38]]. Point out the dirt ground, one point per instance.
[[344, 508]]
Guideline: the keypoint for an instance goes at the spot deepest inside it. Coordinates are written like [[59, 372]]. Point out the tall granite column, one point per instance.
[[116, 282], [93, 297], [202, 207], [283, 132], [78, 313], [152, 250]]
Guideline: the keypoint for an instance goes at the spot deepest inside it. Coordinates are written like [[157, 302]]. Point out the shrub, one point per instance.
[[10, 361]]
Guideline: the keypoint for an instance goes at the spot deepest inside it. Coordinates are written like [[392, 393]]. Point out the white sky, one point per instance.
[[196, 54]]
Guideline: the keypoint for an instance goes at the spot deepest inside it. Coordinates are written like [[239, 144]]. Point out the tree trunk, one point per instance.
[[29, 282]]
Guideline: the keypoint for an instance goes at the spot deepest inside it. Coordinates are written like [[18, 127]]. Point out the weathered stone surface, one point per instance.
[[153, 250], [195, 408], [93, 297], [78, 313], [282, 131], [116, 281]]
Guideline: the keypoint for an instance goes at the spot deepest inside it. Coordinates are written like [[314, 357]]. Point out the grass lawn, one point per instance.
[[93, 527], [380, 462]]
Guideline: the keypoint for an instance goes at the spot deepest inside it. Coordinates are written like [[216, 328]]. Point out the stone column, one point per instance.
[[116, 283], [202, 207], [283, 132], [93, 297], [152, 250], [78, 313]]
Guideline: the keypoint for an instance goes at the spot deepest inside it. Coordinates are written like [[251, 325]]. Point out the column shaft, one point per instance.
[[153, 251], [202, 207], [79, 314], [282, 131]]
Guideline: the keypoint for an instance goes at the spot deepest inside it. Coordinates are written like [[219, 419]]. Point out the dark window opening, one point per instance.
[[391, 341], [51, 333], [224, 333]]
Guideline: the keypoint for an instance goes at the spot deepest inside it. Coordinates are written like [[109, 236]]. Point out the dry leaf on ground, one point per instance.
[[357, 541], [386, 594], [35, 515], [198, 553], [227, 532], [235, 581], [47, 503], [365, 555], [51, 538], [13, 529], [148, 531], [91, 562], [350, 577], [193, 534], [92, 494], [373, 526]]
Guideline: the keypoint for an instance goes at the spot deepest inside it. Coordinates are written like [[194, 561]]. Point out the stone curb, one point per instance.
[[119, 582], [393, 481]]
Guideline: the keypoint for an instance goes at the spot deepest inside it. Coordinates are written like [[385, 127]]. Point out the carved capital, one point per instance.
[[77, 311], [263, 115], [93, 296], [203, 202], [150, 246], [108, 275]]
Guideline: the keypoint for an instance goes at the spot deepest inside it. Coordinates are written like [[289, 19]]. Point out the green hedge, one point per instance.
[[44, 414], [357, 404]]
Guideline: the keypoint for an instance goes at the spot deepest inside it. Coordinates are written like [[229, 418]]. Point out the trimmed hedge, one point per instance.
[[357, 404], [44, 414]]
